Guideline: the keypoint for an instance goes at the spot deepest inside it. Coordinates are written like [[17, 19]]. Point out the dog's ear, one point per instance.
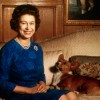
[[74, 65], [61, 57]]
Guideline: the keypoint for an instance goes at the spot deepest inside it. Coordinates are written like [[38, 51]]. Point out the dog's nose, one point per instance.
[[60, 68]]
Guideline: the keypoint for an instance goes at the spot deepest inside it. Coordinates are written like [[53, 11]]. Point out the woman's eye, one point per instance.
[[23, 23], [32, 23]]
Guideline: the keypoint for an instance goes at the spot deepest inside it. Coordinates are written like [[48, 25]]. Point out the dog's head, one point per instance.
[[66, 66], [63, 65]]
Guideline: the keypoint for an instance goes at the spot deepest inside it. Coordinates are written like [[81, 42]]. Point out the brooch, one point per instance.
[[35, 48]]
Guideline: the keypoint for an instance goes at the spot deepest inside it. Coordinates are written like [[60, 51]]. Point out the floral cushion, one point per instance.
[[88, 65], [89, 69]]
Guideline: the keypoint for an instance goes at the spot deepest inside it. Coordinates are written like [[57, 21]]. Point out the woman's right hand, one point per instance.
[[39, 88], [28, 90], [33, 90]]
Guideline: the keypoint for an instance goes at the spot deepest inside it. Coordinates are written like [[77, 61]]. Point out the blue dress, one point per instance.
[[24, 67]]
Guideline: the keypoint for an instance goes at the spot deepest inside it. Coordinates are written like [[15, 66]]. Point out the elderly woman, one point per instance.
[[21, 61]]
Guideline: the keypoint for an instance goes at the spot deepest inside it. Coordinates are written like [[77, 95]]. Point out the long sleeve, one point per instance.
[[18, 66], [40, 65], [5, 62]]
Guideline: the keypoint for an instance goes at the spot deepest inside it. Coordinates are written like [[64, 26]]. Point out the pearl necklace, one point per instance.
[[24, 46]]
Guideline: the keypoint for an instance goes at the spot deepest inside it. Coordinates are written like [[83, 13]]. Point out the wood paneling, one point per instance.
[[52, 19], [72, 28], [7, 32], [1, 23], [33, 1], [51, 14], [47, 29]]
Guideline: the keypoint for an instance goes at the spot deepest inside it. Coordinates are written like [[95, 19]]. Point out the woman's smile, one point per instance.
[[27, 26]]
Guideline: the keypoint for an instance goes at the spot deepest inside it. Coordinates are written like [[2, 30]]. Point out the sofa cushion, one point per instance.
[[50, 58], [88, 65], [89, 69]]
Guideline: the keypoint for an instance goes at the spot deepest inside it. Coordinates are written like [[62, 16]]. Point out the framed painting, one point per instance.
[[82, 12]]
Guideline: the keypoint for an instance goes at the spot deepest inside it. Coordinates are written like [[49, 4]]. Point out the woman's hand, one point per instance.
[[26, 90], [41, 87], [32, 90]]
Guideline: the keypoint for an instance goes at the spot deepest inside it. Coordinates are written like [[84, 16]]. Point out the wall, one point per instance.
[[69, 29], [51, 15]]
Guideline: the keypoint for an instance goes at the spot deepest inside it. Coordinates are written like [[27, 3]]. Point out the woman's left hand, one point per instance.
[[41, 87]]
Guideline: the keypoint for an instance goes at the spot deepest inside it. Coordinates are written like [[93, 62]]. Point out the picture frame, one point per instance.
[[74, 16]]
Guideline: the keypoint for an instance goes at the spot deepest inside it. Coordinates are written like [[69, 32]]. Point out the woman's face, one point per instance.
[[26, 26]]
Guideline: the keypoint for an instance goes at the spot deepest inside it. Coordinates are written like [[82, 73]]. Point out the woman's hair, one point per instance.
[[22, 10]]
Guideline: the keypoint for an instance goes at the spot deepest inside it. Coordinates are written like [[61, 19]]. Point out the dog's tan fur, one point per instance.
[[82, 84]]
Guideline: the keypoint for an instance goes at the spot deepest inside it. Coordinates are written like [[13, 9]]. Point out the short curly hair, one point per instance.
[[22, 10]]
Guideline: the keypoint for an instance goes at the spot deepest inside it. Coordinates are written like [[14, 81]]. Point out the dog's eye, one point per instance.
[[65, 63]]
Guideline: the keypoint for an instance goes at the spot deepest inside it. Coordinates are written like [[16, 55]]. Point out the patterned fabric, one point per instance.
[[88, 65], [89, 69]]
